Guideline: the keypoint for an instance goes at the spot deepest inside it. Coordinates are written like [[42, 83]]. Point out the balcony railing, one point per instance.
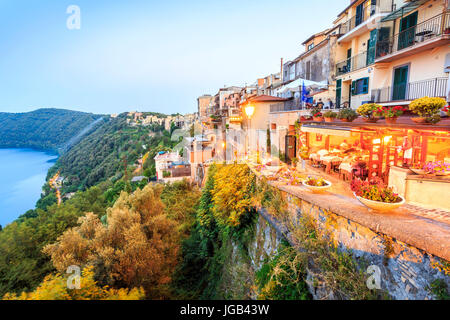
[[369, 10], [296, 105], [409, 91], [357, 62], [291, 105], [422, 32]]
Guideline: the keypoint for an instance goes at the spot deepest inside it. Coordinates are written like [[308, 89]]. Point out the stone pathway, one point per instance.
[[434, 214]]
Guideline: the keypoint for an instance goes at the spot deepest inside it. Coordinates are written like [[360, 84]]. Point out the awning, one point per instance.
[[296, 85], [328, 130], [401, 12]]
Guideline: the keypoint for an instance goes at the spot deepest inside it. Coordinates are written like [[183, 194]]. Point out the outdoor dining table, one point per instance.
[[330, 161]]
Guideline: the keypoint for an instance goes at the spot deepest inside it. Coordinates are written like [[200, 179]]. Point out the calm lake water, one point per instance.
[[22, 175]]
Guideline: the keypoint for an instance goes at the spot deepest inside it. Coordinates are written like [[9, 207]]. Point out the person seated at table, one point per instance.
[[329, 104], [320, 104]]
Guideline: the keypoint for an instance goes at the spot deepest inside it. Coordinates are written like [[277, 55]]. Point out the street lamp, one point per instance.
[[249, 111]]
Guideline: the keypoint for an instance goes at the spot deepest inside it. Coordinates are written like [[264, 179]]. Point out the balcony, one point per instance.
[[291, 105], [409, 91], [365, 19], [357, 62], [423, 36]]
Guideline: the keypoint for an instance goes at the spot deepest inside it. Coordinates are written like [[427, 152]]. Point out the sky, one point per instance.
[[146, 55]]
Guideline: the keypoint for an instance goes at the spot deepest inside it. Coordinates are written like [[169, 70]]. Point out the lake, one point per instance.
[[22, 175]]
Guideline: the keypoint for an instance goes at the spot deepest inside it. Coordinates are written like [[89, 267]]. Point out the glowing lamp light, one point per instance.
[[224, 145], [376, 141], [387, 139], [249, 110]]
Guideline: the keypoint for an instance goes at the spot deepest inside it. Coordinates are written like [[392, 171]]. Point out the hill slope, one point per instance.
[[43, 128], [100, 154]]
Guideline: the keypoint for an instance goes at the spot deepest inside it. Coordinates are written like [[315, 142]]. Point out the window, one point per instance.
[[360, 86], [311, 46], [308, 70]]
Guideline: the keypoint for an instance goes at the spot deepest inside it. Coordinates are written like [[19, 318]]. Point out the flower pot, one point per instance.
[[441, 174], [391, 120], [318, 119], [420, 172], [318, 189], [380, 206], [370, 120], [419, 120], [346, 120], [329, 119]]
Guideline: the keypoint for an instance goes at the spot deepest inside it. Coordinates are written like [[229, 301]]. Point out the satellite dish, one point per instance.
[[297, 95]]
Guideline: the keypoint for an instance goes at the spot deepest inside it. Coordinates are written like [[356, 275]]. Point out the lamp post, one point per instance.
[[249, 111]]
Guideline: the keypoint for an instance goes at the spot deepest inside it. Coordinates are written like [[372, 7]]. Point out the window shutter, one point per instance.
[[353, 88], [365, 85]]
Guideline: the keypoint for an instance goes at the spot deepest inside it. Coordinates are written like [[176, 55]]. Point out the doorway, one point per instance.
[[399, 86], [407, 35], [291, 148]]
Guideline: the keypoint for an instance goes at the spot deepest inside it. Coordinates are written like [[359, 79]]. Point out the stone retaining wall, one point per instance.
[[405, 271]]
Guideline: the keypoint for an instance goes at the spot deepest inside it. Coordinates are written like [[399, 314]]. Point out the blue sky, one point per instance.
[[146, 55]]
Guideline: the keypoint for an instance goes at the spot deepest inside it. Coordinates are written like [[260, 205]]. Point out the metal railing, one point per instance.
[[413, 90], [382, 6], [291, 105], [357, 62], [296, 105], [422, 32]]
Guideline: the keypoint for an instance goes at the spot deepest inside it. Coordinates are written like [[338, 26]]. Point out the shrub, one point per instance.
[[370, 110], [348, 114], [392, 112], [232, 194], [283, 277], [316, 112], [447, 110], [427, 107], [330, 114]]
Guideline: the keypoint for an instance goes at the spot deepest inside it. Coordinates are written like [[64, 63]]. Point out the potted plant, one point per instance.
[[418, 169], [447, 110], [370, 112], [317, 185], [317, 114], [294, 162], [437, 168], [347, 115], [330, 116], [376, 195], [427, 109], [392, 113]]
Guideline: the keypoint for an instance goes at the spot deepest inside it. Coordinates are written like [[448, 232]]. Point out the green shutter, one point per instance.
[[353, 88], [365, 86]]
